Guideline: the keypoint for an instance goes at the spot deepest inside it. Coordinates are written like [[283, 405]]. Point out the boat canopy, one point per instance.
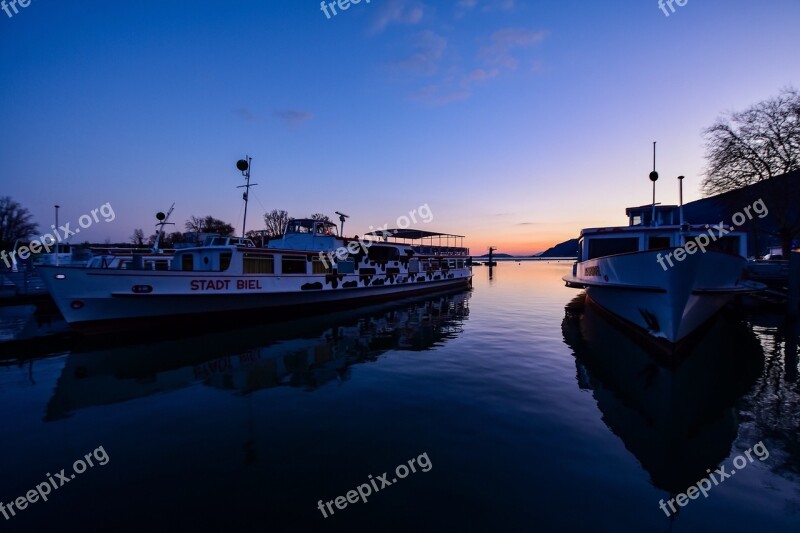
[[424, 242]]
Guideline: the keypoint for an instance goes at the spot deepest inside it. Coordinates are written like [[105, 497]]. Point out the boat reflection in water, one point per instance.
[[678, 421], [299, 353]]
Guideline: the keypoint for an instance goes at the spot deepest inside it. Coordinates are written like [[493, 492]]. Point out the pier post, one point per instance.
[[793, 301]]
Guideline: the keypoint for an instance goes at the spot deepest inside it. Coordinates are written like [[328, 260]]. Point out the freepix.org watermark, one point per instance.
[[704, 485], [664, 4], [43, 490], [365, 489], [11, 5], [357, 245], [343, 5], [60, 234], [701, 241]]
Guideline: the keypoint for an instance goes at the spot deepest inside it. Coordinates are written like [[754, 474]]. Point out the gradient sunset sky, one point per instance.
[[516, 122]]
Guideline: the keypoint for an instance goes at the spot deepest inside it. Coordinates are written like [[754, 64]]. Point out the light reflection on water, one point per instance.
[[535, 412]]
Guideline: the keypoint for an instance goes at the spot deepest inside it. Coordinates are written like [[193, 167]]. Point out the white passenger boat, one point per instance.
[[310, 266], [655, 275]]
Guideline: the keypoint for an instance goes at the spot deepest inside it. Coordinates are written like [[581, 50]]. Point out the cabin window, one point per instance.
[[658, 242], [345, 267], [318, 266], [382, 254], [258, 264], [725, 244], [224, 261], [612, 246], [293, 264], [413, 266]]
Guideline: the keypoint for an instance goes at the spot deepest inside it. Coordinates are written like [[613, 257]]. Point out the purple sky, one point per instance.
[[517, 123]]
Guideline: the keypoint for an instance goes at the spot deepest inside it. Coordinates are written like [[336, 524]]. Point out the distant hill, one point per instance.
[[565, 249], [496, 255]]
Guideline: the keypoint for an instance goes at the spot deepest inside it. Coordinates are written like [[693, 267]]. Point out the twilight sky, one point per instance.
[[516, 122]]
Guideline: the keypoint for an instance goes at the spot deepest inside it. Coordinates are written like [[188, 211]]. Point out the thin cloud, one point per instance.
[[293, 118], [499, 54], [397, 12], [437, 94], [487, 6], [429, 48], [480, 74], [245, 114]]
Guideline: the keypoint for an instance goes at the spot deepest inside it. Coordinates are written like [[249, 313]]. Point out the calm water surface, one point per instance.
[[530, 412]]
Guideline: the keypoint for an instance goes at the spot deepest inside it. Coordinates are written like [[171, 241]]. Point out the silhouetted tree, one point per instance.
[[320, 216], [754, 146], [209, 224], [275, 222], [15, 222], [174, 238], [138, 237]]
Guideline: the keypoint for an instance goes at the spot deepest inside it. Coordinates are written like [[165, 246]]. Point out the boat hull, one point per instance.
[[92, 299], [669, 304]]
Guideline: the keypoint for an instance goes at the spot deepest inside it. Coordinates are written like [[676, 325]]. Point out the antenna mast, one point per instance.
[[654, 178], [162, 221], [244, 166]]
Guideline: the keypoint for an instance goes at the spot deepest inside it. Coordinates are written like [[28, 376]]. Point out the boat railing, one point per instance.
[[450, 251]]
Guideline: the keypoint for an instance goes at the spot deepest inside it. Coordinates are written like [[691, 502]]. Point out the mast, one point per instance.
[[244, 166], [654, 178], [162, 221]]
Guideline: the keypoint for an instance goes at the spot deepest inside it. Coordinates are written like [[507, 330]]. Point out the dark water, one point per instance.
[[523, 409]]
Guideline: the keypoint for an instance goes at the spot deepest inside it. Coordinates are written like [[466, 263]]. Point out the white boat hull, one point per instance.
[[86, 296], [668, 304]]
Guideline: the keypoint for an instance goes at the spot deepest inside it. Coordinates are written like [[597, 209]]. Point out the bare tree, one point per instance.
[[15, 222], [209, 224], [320, 216], [275, 222], [138, 237], [754, 146]]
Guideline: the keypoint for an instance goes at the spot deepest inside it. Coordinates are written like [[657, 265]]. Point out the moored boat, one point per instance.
[[659, 274], [310, 266]]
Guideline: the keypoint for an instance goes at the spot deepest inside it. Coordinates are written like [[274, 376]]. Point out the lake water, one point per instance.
[[522, 409]]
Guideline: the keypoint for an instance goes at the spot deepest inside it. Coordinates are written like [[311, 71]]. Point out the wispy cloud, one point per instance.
[[245, 114], [397, 12], [293, 118], [486, 6], [480, 74], [428, 50], [500, 52], [498, 5], [440, 94]]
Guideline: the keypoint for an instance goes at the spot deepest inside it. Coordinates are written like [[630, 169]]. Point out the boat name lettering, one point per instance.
[[224, 284], [591, 271]]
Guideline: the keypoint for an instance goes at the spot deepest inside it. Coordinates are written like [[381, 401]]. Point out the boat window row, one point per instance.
[[604, 246], [261, 263]]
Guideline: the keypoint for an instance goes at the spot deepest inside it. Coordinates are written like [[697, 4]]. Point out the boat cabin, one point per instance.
[[308, 234], [666, 233]]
